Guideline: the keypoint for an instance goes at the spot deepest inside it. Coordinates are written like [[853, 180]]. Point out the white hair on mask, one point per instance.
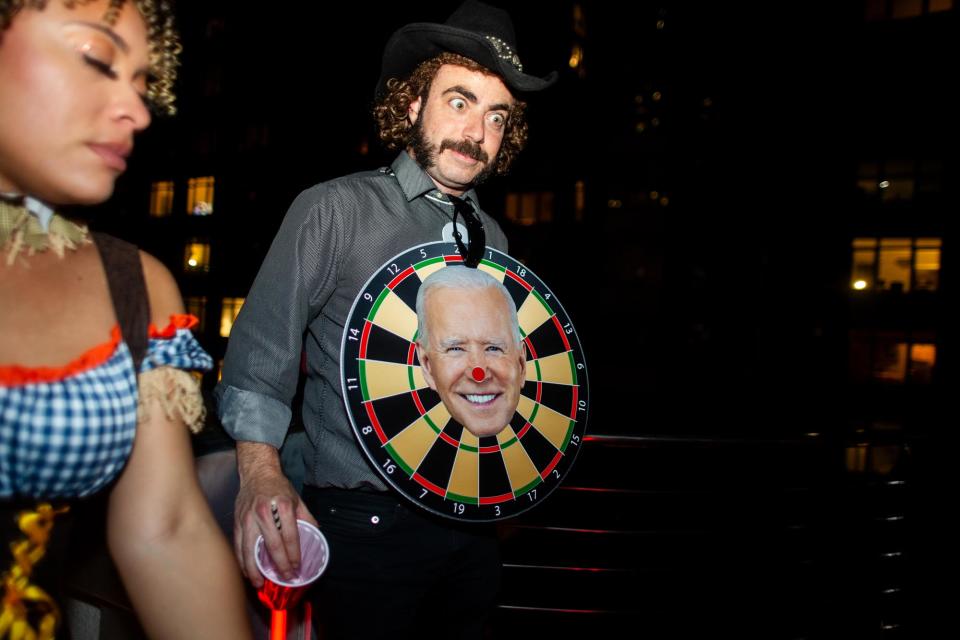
[[461, 277]]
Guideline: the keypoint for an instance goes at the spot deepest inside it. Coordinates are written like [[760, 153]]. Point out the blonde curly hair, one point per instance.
[[163, 42]]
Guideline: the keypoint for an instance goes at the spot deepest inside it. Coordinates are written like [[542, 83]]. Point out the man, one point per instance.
[[448, 96], [470, 348]]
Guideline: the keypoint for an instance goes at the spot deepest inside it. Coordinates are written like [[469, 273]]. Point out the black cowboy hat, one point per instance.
[[476, 31]]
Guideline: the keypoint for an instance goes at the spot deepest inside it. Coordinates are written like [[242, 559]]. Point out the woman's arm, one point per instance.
[[172, 557]]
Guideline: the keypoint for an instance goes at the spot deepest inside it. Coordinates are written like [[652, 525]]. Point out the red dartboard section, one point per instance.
[[406, 431]]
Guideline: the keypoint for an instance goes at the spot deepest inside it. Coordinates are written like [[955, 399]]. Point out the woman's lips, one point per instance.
[[113, 155]]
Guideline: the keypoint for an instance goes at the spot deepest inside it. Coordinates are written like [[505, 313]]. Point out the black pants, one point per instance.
[[398, 573]]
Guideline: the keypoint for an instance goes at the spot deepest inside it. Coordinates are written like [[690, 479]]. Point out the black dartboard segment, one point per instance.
[[406, 431]]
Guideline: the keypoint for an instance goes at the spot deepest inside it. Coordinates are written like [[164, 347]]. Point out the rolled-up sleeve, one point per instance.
[[262, 364]]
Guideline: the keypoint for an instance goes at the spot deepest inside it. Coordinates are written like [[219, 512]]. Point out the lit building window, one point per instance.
[[161, 199], [892, 357], [893, 265], [530, 208], [228, 314], [889, 359], [197, 307], [200, 196], [898, 181], [579, 21], [922, 359], [579, 199], [868, 180], [196, 258], [896, 264], [906, 8], [576, 56], [864, 262], [926, 264], [901, 9]]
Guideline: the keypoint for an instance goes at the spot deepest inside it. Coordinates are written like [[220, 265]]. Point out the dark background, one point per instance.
[[746, 446]]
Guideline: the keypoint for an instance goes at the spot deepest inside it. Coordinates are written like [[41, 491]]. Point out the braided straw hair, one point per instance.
[[162, 41]]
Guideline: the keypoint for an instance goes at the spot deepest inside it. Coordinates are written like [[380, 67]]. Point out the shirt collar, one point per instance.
[[414, 182]]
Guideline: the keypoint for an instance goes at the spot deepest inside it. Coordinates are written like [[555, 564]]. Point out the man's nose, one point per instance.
[[473, 128], [477, 366]]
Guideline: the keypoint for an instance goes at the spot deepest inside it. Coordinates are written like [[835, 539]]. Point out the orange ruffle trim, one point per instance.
[[15, 375]]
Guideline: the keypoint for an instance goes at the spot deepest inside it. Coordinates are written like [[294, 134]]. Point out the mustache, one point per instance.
[[467, 148]]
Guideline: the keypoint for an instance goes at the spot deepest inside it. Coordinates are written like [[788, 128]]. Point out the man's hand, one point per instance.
[[265, 499]]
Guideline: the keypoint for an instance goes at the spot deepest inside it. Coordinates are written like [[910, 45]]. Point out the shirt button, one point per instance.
[[375, 519]]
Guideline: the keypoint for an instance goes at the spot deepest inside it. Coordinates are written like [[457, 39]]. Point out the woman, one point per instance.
[[76, 79]]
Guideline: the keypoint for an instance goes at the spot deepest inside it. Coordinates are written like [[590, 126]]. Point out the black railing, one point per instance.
[[673, 537]]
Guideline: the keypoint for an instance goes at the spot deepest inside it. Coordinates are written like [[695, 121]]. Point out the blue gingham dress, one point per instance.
[[70, 437]]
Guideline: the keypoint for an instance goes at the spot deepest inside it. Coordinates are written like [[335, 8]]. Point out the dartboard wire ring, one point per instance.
[[554, 457]]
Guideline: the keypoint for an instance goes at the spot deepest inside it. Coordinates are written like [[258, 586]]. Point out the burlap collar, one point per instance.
[[29, 226]]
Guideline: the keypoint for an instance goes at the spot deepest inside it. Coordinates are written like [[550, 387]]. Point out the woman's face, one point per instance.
[[72, 93]]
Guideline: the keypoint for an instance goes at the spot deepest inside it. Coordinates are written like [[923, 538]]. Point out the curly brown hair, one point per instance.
[[163, 42], [395, 130]]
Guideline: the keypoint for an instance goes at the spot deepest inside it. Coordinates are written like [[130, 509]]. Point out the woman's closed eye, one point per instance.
[[96, 51], [100, 66]]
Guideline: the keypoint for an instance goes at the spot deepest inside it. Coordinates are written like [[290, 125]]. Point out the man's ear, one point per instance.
[[413, 111], [425, 365]]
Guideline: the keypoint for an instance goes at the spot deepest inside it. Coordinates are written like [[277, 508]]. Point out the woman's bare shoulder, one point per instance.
[[162, 290]]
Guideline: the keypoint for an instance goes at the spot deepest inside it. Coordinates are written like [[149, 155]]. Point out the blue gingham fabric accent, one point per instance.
[[180, 352], [71, 437]]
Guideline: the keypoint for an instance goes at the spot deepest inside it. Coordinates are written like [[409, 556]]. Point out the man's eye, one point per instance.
[[458, 103], [498, 119]]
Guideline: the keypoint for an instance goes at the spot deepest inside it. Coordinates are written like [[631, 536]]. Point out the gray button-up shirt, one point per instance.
[[334, 237]]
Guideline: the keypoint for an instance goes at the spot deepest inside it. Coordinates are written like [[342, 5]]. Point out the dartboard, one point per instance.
[[407, 432]]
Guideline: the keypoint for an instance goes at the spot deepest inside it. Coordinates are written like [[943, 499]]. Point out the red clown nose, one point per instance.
[[479, 374]]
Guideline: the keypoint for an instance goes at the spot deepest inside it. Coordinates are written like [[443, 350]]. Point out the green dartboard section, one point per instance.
[[406, 431]]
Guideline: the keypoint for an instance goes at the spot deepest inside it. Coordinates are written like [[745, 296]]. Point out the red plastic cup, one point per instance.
[[280, 594]]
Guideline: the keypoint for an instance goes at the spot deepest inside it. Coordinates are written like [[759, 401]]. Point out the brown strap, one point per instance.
[[128, 291]]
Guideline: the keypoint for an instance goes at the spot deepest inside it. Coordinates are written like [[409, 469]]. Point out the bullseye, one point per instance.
[[479, 374]]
